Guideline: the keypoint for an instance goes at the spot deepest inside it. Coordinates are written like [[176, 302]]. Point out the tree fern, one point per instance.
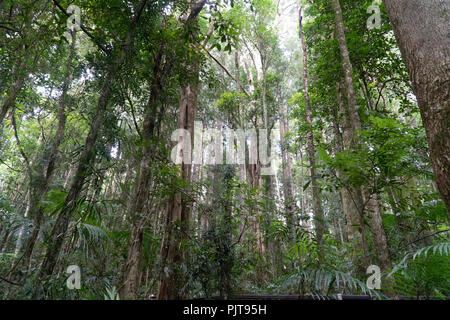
[[323, 282], [423, 273]]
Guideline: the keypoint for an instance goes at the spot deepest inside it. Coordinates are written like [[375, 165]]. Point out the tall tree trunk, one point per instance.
[[88, 153], [49, 157], [305, 221], [132, 270], [353, 125], [421, 30], [379, 235], [20, 68], [361, 195], [319, 221], [346, 66], [288, 192], [178, 209], [339, 147], [19, 80]]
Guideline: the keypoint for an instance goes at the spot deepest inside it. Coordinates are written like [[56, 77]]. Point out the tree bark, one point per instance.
[[288, 192], [136, 212], [363, 200], [352, 125], [346, 66], [379, 235], [14, 90], [178, 208], [421, 30], [349, 209], [319, 221], [40, 187], [88, 153]]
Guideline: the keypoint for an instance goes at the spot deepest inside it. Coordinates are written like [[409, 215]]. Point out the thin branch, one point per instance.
[[430, 235], [241, 234], [133, 114], [13, 122], [8, 28], [10, 168], [94, 39], [10, 282], [225, 69]]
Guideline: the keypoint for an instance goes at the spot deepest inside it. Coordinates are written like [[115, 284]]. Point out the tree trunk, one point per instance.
[[178, 209], [346, 66], [352, 201], [350, 211], [319, 221], [40, 188], [421, 30], [352, 109], [288, 193], [353, 122], [136, 212], [379, 235], [14, 90], [132, 272], [88, 153]]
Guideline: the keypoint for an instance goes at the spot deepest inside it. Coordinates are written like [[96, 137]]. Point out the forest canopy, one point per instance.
[[183, 149]]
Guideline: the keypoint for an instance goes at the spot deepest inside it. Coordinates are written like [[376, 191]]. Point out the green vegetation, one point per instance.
[[87, 143]]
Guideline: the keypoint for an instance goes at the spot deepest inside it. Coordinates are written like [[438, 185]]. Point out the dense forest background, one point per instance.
[[353, 94]]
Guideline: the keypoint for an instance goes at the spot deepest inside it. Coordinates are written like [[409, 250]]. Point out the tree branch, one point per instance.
[[10, 282], [82, 28], [430, 235], [225, 69]]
